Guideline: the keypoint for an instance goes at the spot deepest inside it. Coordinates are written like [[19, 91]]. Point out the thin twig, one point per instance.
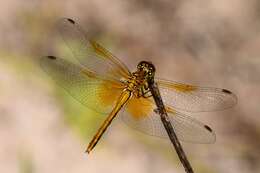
[[168, 126]]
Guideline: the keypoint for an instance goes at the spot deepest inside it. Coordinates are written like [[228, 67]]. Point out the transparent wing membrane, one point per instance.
[[84, 86], [89, 53], [195, 99], [101, 79], [186, 128]]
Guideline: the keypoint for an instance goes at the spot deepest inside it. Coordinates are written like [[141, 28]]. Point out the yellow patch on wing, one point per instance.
[[180, 87], [139, 107], [88, 73], [185, 88], [109, 92], [117, 73], [170, 110], [101, 51]]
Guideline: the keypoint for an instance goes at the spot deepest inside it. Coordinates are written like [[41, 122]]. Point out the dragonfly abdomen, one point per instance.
[[126, 94]]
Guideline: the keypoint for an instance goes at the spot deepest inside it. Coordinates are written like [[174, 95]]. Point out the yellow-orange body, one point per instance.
[[126, 94], [136, 85]]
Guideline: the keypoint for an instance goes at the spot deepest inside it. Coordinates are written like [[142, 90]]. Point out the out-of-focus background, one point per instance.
[[209, 43]]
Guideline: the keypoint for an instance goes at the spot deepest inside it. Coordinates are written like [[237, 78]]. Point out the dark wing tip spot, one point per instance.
[[51, 57], [208, 128], [71, 21], [226, 91]]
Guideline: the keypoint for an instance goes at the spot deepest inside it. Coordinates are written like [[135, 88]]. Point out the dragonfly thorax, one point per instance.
[[138, 82], [135, 82]]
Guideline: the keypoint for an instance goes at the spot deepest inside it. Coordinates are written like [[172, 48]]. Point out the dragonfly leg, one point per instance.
[[143, 92], [146, 93]]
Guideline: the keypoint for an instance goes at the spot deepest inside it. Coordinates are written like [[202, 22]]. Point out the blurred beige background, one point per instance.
[[209, 43]]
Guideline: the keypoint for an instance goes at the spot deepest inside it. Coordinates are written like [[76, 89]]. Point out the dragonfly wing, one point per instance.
[[86, 87], [194, 98], [186, 128], [89, 53]]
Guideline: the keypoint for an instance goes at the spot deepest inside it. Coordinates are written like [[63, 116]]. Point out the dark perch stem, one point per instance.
[[168, 126]]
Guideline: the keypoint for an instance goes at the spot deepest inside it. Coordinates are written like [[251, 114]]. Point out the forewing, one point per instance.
[[194, 98], [186, 128], [91, 54], [86, 87]]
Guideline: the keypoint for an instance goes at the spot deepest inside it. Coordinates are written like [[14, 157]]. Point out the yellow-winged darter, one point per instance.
[[116, 90]]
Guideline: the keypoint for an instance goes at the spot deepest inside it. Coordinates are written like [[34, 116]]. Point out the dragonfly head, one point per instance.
[[146, 68]]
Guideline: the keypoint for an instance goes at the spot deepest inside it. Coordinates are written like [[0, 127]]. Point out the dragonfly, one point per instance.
[[101, 82]]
